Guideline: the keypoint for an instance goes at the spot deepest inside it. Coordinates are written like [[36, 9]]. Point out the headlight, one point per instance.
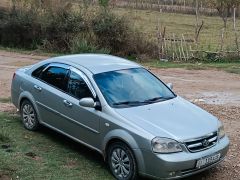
[[221, 132], [165, 145]]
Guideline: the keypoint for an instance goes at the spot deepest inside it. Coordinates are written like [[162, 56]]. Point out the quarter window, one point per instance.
[[77, 87], [36, 73], [56, 76]]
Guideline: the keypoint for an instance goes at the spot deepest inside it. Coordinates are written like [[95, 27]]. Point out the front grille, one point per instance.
[[202, 143]]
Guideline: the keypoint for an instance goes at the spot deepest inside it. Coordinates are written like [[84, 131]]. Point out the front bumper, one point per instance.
[[179, 165]]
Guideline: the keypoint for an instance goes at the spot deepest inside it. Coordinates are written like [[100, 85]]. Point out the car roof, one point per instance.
[[96, 63]]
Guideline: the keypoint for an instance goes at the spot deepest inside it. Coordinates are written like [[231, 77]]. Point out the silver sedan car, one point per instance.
[[120, 109]]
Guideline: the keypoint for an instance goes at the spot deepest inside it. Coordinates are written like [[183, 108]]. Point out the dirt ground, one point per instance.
[[216, 91]]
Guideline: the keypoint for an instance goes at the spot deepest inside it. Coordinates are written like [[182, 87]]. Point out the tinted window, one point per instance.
[[77, 87], [56, 76], [38, 71]]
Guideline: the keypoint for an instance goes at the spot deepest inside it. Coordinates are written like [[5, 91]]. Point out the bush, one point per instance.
[[81, 45], [115, 33], [59, 28], [21, 29], [63, 30], [111, 31]]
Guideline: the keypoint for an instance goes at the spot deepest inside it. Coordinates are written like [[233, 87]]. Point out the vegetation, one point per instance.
[[44, 154], [5, 100], [57, 26], [213, 44], [67, 29], [227, 66], [224, 8]]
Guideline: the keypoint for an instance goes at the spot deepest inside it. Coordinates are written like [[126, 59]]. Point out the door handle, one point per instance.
[[67, 103], [37, 88]]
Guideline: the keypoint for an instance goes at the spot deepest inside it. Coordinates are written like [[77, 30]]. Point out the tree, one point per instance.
[[224, 8]]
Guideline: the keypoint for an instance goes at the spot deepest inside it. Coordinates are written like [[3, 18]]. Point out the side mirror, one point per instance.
[[87, 102], [170, 85]]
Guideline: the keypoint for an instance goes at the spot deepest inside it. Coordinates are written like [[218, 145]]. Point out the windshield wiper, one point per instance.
[[128, 103], [135, 103], [156, 99]]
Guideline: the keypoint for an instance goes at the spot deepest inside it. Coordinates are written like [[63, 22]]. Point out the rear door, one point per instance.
[[57, 92], [49, 91]]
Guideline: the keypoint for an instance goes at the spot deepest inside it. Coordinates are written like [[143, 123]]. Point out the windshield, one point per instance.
[[131, 87]]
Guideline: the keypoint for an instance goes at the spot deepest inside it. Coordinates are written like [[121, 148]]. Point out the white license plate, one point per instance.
[[208, 160]]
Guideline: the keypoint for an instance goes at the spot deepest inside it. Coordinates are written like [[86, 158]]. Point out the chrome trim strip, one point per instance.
[[68, 118], [213, 139], [199, 138], [194, 145], [194, 151], [198, 144]]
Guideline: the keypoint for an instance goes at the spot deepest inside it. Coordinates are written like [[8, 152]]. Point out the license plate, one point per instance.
[[208, 160]]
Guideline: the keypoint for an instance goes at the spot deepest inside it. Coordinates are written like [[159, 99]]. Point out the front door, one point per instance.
[[82, 122]]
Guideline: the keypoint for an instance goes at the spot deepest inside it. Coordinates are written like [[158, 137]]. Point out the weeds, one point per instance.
[[5, 100], [4, 136], [45, 153], [63, 29]]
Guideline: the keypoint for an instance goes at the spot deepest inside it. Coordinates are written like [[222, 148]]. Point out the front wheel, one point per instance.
[[122, 162], [29, 116]]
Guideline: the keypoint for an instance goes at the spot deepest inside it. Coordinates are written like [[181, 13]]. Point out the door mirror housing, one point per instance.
[[87, 102], [170, 85]]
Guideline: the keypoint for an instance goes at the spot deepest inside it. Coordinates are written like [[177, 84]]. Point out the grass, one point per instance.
[[230, 67], [147, 21], [5, 100], [225, 66], [30, 52], [45, 154]]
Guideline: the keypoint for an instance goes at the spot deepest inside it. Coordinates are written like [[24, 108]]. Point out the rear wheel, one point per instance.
[[122, 162], [29, 116]]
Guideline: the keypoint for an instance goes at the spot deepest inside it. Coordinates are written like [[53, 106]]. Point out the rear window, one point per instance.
[[37, 73], [56, 76]]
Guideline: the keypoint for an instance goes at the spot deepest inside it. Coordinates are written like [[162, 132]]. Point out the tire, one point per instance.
[[122, 162], [29, 116]]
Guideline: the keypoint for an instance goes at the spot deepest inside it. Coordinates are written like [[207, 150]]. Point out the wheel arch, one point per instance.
[[28, 96], [119, 135]]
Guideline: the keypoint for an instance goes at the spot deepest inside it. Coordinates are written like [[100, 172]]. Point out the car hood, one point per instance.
[[176, 118]]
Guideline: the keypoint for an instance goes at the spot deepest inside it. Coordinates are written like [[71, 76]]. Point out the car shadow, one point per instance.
[[96, 157], [81, 149], [203, 175]]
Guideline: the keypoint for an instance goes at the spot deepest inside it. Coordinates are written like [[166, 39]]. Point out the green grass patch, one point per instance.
[[37, 52], [230, 67], [45, 154], [226, 66], [5, 100], [147, 21]]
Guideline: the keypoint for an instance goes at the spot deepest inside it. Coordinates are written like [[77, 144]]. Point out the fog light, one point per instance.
[[173, 173]]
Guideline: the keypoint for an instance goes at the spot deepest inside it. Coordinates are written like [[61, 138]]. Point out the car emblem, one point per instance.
[[205, 143]]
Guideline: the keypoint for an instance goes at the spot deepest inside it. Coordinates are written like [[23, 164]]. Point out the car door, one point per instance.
[[49, 90], [83, 123]]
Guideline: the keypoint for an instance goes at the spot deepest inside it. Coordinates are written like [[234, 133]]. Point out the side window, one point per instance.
[[56, 76], [77, 87], [36, 73]]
